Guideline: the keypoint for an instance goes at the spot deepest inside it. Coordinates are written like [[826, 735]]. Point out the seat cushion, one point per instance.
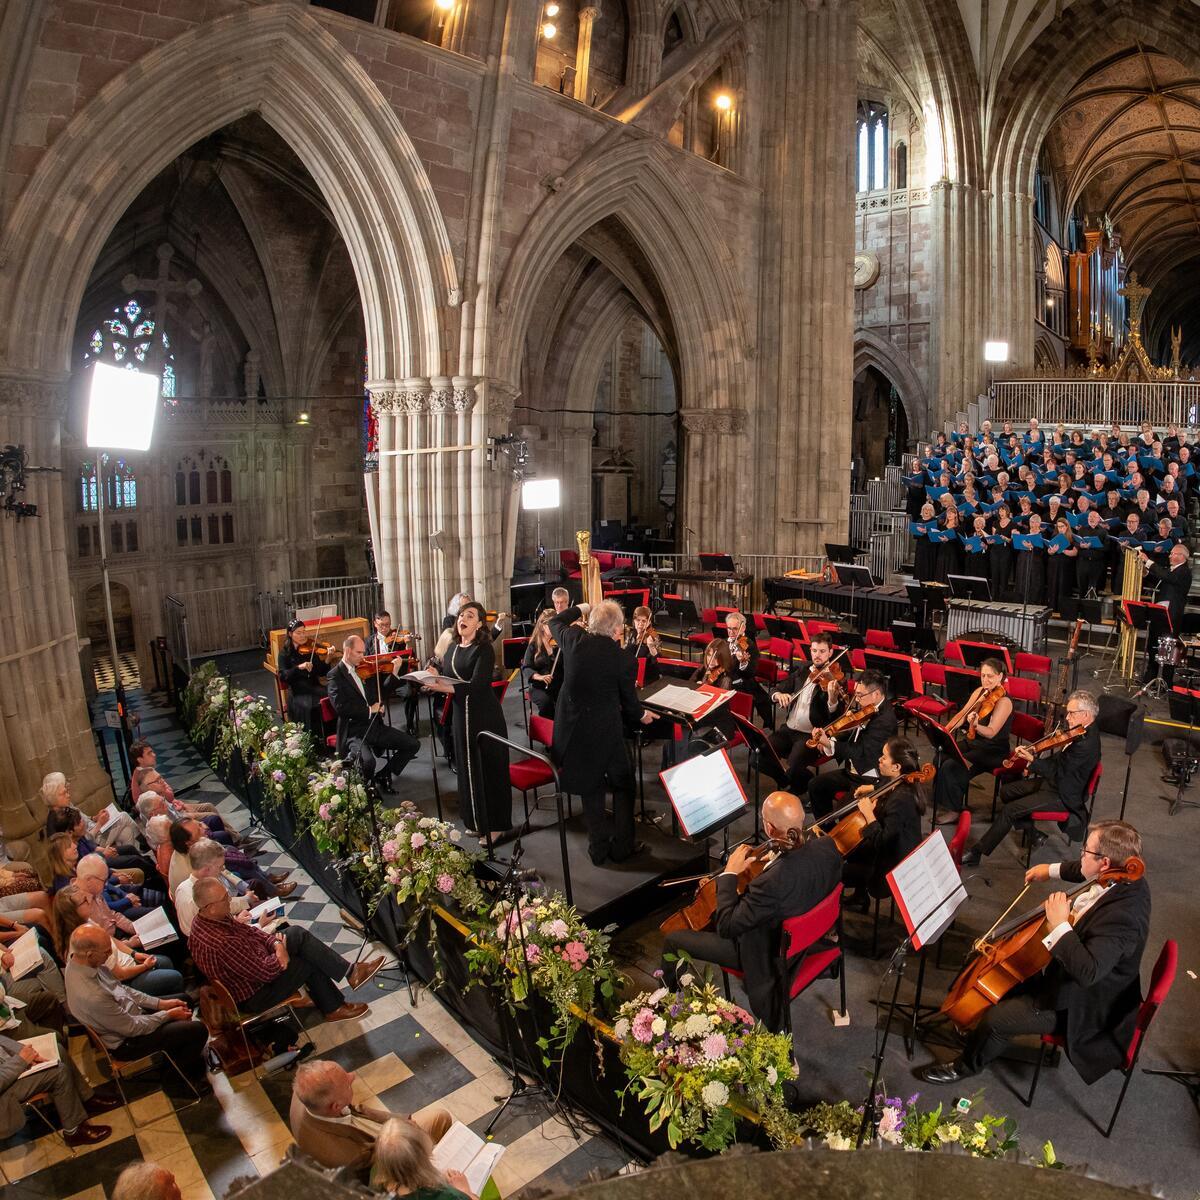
[[528, 773]]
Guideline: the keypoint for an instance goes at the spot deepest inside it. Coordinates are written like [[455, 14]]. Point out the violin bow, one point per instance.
[[316, 638]]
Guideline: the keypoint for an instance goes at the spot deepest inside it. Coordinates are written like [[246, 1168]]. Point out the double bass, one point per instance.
[[1010, 954]]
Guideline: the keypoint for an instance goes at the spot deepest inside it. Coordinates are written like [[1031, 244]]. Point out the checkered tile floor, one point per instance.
[[404, 1058], [103, 672]]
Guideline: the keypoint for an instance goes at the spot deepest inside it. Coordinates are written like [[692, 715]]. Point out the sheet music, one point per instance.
[[927, 889], [679, 699], [154, 929], [26, 953], [705, 791]]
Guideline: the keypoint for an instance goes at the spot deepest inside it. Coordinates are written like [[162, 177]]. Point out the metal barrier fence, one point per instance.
[[1095, 403], [887, 492], [175, 632], [214, 620], [350, 597]]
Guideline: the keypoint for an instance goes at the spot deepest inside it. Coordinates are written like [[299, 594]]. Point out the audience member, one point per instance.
[[207, 860], [91, 878], [265, 886], [334, 1131], [404, 1167], [128, 1021], [146, 1181], [151, 804], [42, 992], [123, 832], [260, 969], [130, 870]]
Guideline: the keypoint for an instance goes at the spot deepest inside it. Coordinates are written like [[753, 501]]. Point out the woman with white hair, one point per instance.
[[404, 1166], [118, 838]]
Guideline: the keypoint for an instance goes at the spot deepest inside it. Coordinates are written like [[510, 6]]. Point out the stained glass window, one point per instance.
[[126, 338], [871, 167]]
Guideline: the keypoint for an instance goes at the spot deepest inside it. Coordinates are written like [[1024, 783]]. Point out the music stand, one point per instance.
[[722, 563], [1155, 621], [976, 653], [969, 587], [853, 575], [705, 793], [900, 670], [924, 599], [842, 552], [914, 639], [683, 610], [944, 746], [761, 750]]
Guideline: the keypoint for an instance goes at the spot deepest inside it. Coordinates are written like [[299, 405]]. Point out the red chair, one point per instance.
[[1024, 691], [802, 962], [931, 706], [858, 660], [953, 654], [329, 717], [707, 617], [1060, 816], [958, 843], [1161, 979], [822, 627], [1032, 664], [500, 687], [741, 705], [529, 774], [880, 639]]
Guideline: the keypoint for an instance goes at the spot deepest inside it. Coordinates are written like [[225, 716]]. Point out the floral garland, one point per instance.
[[286, 764], [336, 813], [253, 722], [566, 962], [690, 1055]]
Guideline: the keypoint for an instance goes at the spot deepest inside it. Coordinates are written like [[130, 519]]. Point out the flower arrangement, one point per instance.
[[286, 763], [566, 962], [425, 860], [903, 1124], [207, 701], [253, 722], [336, 812], [691, 1056]]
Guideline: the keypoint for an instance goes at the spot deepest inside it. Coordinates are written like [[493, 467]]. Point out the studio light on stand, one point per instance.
[[536, 495], [993, 353], [122, 405]]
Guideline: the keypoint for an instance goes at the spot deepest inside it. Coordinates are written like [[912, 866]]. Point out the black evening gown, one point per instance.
[[1000, 564], [1031, 577], [924, 559], [485, 798], [304, 690]]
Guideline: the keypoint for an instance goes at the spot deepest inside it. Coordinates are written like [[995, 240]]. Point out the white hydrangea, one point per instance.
[[658, 1027], [621, 1030], [697, 1025], [837, 1141], [426, 823], [715, 1094]]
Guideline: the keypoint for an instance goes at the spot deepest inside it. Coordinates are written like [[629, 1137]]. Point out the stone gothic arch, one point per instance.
[[283, 64], [873, 350], [634, 183]]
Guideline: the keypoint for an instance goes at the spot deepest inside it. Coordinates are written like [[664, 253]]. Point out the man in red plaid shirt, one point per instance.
[[261, 969]]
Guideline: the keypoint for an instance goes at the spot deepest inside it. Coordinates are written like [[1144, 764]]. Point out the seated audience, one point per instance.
[[91, 878], [154, 973], [23, 901], [133, 871], [404, 1167], [151, 804], [146, 1181], [146, 775], [267, 886], [207, 860], [42, 992], [66, 1087], [128, 1021], [260, 969], [120, 836], [334, 1131]]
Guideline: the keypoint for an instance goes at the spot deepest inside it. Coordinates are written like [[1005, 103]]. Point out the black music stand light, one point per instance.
[[969, 587]]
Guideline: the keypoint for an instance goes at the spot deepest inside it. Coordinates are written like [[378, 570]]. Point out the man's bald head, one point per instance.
[[92, 865], [324, 1087], [146, 1181], [206, 891], [783, 816], [91, 944]]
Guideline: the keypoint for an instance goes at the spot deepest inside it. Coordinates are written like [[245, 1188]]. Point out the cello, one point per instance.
[[698, 914], [1010, 954]]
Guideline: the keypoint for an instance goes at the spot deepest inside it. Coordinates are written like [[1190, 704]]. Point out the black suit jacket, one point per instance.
[[859, 750], [745, 677], [1069, 770], [820, 711], [1173, 588], [1094, 974], [353, 711], [597, 692], [800, 879]]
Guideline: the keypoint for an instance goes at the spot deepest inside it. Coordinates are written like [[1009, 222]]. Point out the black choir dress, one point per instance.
[[1031, 576], [893, 835], [1060, 579], [305, 688], [924, 559], [1000, 556], [949, 559], [484, 795]]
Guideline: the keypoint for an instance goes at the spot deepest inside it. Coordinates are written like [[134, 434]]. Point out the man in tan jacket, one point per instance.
[[330, 1128]]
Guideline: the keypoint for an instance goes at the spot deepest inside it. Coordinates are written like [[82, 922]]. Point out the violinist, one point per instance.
[[748, 923], [809, 705], [1090, 991], [302, 672], [717, 666], [893, 824], [1066, 773], [984, 723], [644, 644], [541, 659], [858, 752], [385, 640], [744, 675]]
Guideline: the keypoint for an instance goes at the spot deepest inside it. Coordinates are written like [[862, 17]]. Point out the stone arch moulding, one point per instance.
[[281, 63], [871, 350], [691, 261]]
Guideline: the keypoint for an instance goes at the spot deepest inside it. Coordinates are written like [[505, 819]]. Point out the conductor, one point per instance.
[[589, 745]]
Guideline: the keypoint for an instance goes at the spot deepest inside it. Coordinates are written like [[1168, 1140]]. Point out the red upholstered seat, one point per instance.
[[529, 773]]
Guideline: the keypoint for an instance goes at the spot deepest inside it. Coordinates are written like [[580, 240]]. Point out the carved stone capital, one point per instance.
[[463, 393], [405, 397], [501, 400], [441, 394], [35, 395], [714, 420]]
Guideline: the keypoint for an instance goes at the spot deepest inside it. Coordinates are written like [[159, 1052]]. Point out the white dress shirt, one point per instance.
[[1079, 906]]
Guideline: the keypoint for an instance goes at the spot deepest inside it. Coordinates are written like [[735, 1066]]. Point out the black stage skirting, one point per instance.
[[872, 608], [592, 1078]]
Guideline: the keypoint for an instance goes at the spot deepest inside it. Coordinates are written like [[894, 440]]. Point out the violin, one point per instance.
[[1052, 741], [982, 704], [846, 723], [851, 822], [831, 672], [698, 914], [1003, 958]]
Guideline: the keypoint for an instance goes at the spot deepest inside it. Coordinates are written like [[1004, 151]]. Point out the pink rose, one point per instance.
[[389, 850], [417, 841], [445, 883], [325, 812]]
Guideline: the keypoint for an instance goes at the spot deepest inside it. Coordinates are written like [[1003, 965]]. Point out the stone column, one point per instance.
[[959, 317], [806, 349], [583, 50], [706, 506], [44, 721], [1015, 271]]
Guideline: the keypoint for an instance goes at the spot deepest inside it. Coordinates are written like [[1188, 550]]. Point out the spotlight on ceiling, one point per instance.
[[549, 30], [724, 101]]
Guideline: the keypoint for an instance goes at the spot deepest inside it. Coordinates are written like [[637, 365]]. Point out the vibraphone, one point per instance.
[[1026, 626]]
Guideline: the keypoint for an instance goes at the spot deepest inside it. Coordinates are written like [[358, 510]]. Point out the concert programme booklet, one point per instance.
[[461, 1149], [27, 956], [154, 929]]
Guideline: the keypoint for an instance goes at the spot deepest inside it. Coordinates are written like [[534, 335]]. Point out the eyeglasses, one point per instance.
[[1093, 854]]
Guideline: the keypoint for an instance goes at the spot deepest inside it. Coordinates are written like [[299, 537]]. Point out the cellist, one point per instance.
[[1067, 773], [1090, 990], [748, 924]]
